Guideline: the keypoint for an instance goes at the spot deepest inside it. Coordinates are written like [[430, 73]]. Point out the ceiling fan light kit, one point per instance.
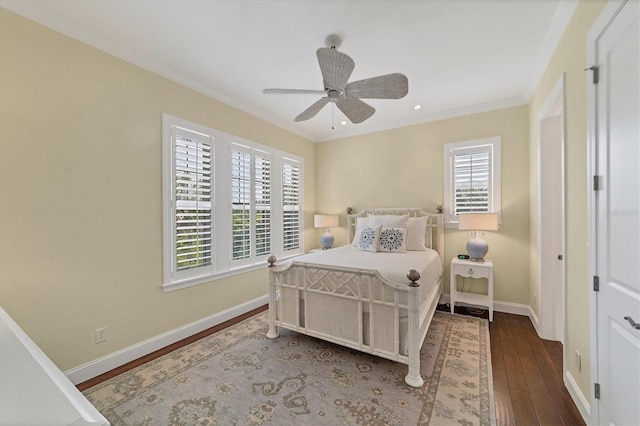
[[336, 68]]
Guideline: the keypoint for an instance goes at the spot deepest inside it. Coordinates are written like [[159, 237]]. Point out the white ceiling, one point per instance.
[[460, 56]]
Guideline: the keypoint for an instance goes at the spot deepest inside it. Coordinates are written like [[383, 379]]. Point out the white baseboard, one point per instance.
[[534, 320], [498, 306], [106, 363], [511, 308], [578, 397]]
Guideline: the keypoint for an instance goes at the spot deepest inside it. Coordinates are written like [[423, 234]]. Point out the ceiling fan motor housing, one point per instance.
[[333, 41]]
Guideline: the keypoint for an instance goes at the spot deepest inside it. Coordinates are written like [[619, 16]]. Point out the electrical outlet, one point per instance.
[[578, 361], [101, 335]]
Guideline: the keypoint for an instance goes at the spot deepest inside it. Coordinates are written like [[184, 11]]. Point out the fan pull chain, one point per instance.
[[333, 105]]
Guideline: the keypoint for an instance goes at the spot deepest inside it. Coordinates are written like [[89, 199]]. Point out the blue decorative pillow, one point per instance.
[[369, 237], [393, 240]]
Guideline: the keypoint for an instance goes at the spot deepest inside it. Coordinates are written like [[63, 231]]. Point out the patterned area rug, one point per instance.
[[239, 377]]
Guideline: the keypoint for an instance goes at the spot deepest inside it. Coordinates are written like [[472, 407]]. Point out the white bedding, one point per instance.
[[392, 266]]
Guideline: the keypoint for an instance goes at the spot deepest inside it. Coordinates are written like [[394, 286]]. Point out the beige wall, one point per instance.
[[404, 168], [80, 195], [569, 58]]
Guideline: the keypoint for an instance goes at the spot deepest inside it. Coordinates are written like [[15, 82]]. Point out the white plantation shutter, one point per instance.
[[251, 203], [193, 211], [291, 215], [472, 180], [240, 204], [262, 196]]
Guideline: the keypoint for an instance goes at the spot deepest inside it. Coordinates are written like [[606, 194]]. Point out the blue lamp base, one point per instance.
[[477, 248], [326, 240]]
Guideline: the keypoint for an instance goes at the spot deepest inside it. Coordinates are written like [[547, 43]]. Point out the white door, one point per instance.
[[617, 218], [551, 248]]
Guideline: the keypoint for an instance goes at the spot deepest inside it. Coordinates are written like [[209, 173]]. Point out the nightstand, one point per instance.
[[468, 269]]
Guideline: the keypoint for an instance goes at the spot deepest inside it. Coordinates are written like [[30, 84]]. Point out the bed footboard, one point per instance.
[[355, 308]]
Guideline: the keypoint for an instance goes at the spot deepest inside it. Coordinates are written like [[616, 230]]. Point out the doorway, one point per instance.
[[551, 283]]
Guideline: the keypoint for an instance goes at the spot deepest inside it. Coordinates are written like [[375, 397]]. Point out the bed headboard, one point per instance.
[[434, 235]]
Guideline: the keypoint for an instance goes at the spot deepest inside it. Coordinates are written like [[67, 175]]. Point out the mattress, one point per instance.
[[391, 266]]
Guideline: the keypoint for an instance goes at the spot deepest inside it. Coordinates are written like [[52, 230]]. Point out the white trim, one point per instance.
[[534, 320], [106, 363], [498, 306], [600, 24], [190, 282], [578, 397], [511, 308]]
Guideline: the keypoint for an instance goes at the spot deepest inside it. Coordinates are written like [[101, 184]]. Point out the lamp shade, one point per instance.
[[478, 222], [325, 220]]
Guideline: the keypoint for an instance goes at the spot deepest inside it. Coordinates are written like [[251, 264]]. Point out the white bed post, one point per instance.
[[273, 330], [413, 377]]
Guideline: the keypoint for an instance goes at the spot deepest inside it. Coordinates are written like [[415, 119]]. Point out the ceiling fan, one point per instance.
[[336, 68]]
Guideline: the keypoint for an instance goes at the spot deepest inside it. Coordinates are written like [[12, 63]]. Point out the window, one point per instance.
[[291, 205], [250, 204], [193, 204], [472, 178], [225, 210]]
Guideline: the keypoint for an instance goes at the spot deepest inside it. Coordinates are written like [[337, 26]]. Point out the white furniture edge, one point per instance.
[[106, 363], [88, 412]]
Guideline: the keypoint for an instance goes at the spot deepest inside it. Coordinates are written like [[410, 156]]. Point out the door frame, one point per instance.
[[548, 303], [599, 26]]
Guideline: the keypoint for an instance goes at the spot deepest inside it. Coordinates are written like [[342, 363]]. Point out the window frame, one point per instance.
[[222, 264], [490, 145]]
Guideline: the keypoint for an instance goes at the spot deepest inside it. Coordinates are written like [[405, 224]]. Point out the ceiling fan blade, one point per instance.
[[293, 91], [336, 68], [355, 110], [312, 110], [389, 86]]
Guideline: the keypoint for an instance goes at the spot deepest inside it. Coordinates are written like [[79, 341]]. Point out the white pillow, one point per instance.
[[416, 229], [389, 220], [393, 240], [369, 237], [361, 222]]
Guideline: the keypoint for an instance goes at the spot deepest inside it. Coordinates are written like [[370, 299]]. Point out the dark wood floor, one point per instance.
[[527, 371], [527, 375]]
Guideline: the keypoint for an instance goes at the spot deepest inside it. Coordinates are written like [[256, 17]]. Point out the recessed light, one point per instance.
[[417, 106], [344, 123]]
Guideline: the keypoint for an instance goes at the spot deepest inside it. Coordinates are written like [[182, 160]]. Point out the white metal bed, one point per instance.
[[360, 308]]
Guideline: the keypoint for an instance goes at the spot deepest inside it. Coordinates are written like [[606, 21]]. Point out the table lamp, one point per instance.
[[477, 247], [326, 221]]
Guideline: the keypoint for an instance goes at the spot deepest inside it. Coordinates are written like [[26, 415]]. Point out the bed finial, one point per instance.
[[413, 276], [349, 210], [440, 208], [272, 261]]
